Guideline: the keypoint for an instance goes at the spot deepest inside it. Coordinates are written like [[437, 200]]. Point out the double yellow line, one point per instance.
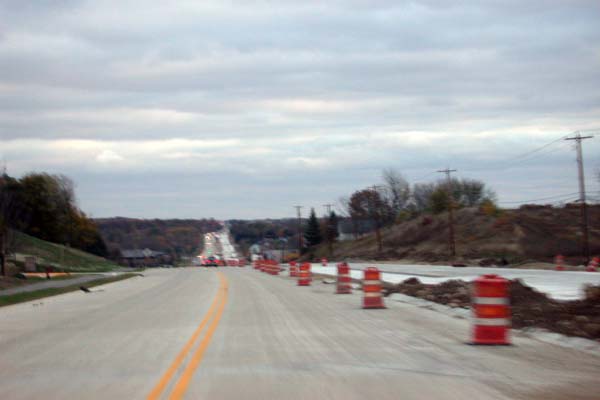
[[214, 312]]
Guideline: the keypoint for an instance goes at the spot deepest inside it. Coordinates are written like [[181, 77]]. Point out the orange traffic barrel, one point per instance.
[[593, 265], [344, 283], [491, 310], [293, 269], [304, 276], [560, 263], [372, 296], [274, 267]]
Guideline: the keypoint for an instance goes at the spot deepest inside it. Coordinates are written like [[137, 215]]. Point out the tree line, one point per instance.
[[393, 201], [176, 237], [44, 206]]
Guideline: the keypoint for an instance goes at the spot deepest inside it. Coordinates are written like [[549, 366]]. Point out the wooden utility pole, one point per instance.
[[2, 250], [451, 240], [377, 219], [585, 243], [299, 214]]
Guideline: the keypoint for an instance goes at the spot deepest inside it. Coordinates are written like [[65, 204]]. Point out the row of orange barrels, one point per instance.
[[235, 262], [489, 304], [592, 266]]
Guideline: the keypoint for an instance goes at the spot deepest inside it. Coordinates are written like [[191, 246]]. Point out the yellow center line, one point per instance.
[[164, 380], [186, 377]]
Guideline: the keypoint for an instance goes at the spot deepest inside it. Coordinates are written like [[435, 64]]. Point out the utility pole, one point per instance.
[[3, 228], [582, 199], [299, 214], [451, 240], [329, 228], [377, 219]]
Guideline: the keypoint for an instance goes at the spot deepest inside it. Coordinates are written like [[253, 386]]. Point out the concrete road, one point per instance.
[[235, 333]]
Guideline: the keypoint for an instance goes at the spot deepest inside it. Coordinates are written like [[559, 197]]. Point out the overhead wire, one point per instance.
[[539, 199]]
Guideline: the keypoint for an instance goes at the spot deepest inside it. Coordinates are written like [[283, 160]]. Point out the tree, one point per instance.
[[396, 191], [312, 234], [421, 194], [367, 204], [434, 197], [331, 230], [439, 201]]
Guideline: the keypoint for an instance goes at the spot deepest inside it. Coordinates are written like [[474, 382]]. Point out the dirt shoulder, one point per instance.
[[529, 308]]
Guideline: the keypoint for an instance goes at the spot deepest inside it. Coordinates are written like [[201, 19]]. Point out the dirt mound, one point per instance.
[[508, 237], [529, 307]]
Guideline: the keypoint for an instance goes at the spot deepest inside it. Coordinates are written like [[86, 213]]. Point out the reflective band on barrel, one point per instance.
[[372, 294], [491, 321], [365, 283], [491, 300]]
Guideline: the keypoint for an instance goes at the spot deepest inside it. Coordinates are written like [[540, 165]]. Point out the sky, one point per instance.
[[227, 109]]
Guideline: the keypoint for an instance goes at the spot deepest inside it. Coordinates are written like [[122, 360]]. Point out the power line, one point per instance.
[[538, 149], [539, 199], [508, 164]]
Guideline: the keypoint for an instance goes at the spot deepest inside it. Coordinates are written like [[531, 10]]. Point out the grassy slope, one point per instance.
[[64, 258]]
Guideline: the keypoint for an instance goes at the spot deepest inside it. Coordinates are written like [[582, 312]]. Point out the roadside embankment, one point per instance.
[[27, 293]]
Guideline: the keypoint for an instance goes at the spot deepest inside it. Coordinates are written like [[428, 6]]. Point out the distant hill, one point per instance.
[[176, 237], [529, 233]]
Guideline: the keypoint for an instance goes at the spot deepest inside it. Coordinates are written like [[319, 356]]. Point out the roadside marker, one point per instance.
[[593, 265], [491, 310], [343, 279], [304, 276], [372, 297], [293, 269], [560, 263]]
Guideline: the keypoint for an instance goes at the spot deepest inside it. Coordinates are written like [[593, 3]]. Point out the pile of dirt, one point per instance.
[[507, 237], [529, 307]]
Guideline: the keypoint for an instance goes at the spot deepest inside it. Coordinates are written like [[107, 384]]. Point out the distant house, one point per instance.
[[143, 258]]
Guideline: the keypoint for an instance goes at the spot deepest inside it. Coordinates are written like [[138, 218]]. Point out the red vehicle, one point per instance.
[[210, 261]]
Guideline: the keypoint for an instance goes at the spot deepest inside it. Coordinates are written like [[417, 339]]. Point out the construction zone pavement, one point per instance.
[[231, 333]]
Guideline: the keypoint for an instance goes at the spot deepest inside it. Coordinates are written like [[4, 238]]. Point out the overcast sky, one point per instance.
[[243, 109]]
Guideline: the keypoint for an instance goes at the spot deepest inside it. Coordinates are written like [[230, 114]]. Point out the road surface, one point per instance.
[[150, 337]]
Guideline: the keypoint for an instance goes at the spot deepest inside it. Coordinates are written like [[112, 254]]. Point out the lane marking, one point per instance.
[[164, 380], [184, 380]]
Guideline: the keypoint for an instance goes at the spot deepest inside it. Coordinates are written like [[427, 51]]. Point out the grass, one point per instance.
[[61, 257], [38, 294]]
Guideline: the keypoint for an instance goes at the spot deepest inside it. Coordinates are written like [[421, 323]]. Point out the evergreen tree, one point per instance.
[[312, 234], [332, 227]]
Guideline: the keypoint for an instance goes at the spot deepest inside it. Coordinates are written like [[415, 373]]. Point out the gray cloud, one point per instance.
[[119, 92]]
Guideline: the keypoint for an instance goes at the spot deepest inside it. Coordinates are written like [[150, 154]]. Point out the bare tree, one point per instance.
[[396, 190], [367, 204], [421, 195]]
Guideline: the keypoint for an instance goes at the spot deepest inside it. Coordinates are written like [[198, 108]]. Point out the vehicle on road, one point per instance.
[[210, 261]]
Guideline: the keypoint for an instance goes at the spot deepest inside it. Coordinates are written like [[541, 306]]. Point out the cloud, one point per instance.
[[260, 93], [108, 156]]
